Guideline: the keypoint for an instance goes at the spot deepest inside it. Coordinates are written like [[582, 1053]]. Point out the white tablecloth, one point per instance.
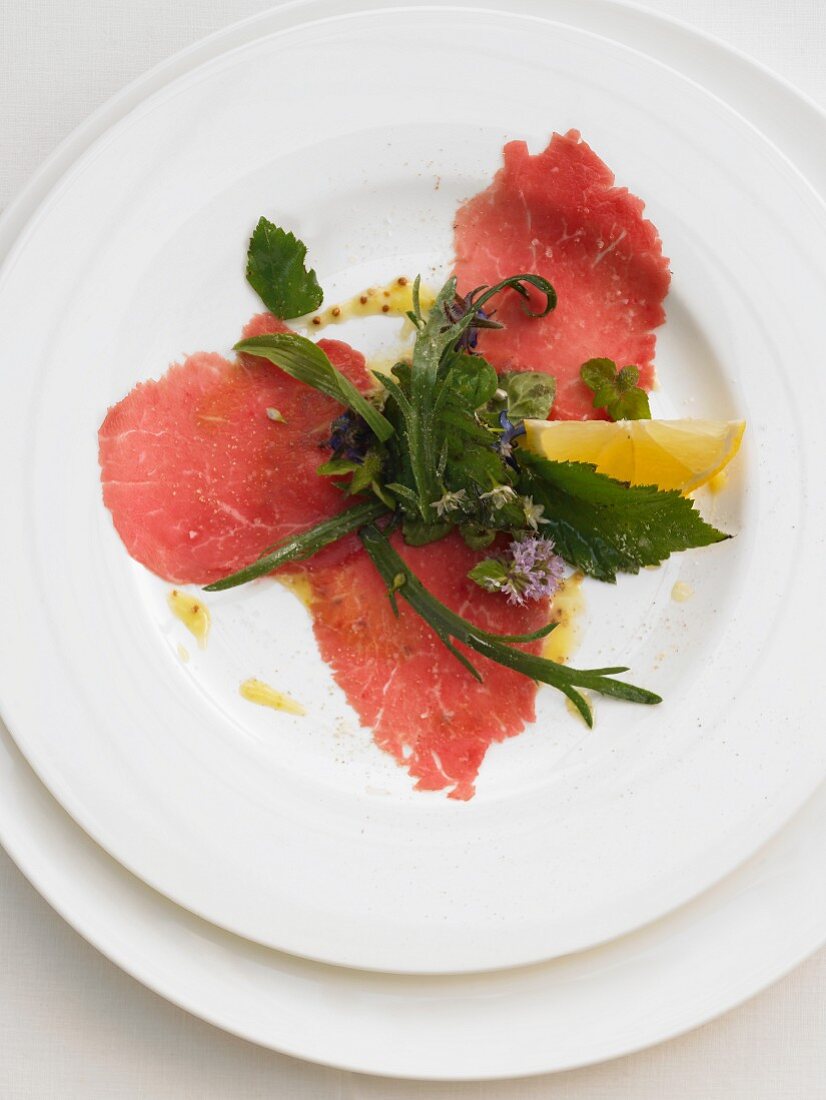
[[71, 1024]]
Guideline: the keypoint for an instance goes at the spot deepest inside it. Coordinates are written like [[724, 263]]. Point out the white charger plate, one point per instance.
[[678, 973], [260, 825]]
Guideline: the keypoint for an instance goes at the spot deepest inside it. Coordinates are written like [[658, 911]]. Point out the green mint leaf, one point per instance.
[[605, 527], [305, 361], [469, 383], [276, 272], [303, 546], [530, 395], [616, 391], [489, 574]]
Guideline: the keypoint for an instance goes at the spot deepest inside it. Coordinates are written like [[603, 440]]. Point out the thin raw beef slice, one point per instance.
[[558, 214]]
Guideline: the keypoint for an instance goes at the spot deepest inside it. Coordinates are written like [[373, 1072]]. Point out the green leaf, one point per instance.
[[530, 394], [452, 628], [303, 546], [476, 536], [305, 361], [276, 272], [469, 383], [605, 527], [490, 574], [519, 283], [616, 391], [366, 473], [418, 533], [337, 467]]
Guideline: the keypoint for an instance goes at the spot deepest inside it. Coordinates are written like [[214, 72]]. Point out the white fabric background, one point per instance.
[[71, 1024]]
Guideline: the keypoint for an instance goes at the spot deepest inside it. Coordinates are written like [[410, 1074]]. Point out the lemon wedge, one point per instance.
[[672, 454]]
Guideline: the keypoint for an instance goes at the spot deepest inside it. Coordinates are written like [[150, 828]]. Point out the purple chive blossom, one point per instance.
[[528, 570]]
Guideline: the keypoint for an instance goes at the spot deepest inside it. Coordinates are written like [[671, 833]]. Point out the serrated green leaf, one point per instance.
[[276, 272], [605, 527], [616, 391]]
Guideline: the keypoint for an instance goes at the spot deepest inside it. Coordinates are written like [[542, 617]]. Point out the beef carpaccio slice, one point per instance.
[[200, 481], [423, 705], [559, 214]]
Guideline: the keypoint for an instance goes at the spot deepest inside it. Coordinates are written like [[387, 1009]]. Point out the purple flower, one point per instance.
[[528, 570], [350, 437], [457, 309], [510, 432], [535, 570]]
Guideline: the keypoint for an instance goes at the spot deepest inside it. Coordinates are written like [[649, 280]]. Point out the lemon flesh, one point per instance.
[[671, 454]]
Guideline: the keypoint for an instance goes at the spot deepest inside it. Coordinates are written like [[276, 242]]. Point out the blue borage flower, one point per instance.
[[457, 309], [510, 432], [350, 437]]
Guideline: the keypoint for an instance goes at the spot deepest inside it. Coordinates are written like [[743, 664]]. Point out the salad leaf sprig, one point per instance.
[[435, 448], [452, 628]]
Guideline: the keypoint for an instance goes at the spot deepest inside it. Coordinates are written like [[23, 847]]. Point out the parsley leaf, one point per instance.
[[616, 391], [276, 272], [605, 527]]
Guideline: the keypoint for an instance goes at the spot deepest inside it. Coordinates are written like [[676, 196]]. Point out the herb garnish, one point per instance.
[[276, 272], [616, 391], [435, 448]]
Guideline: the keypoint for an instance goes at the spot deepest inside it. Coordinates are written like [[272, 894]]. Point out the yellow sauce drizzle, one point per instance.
[[183, 653], [256, 691], [681, 592], [192, 612], [395, 299], [300, 586], [568, 604]]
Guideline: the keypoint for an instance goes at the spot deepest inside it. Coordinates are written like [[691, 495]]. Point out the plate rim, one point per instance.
[[166, 69]]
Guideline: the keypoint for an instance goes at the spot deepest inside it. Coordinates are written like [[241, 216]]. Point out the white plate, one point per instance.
[[298, 836], [638, 990], [728, 944]]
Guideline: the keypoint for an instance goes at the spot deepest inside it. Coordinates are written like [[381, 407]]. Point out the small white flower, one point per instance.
[[450, 502], [533, 513], [500, 495]]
